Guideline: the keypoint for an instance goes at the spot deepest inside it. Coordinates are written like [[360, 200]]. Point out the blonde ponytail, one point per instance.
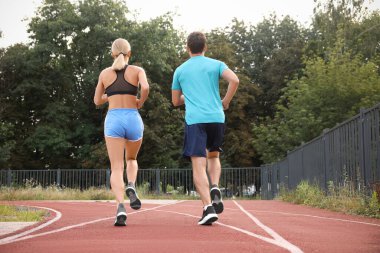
[[119, 62], [120, 49]]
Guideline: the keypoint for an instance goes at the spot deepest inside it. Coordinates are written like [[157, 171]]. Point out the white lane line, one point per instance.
[[321, 217], [286, 244], [79, 225], [113, 202], [58, 216], [304, 215], [266, 239]]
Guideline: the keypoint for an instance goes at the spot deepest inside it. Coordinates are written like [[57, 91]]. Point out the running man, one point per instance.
[[196, 84], [123, 126]]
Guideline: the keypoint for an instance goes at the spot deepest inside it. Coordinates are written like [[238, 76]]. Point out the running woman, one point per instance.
[[196, 84], [123, 126]]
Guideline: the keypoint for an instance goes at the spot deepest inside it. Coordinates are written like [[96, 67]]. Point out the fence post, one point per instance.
[[9, 178], [108, 178], [158, 181], [264, 183], [302, 163], [362, 148], [59, 177], [288, 163], [325, 156]]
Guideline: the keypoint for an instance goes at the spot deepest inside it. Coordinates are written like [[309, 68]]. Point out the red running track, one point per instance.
[[244, 226]]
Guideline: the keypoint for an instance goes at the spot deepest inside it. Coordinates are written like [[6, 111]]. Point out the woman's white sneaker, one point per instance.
[[121, 216]]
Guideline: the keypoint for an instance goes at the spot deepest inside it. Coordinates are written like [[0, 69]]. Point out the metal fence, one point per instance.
[[347, 154], [233, 181]]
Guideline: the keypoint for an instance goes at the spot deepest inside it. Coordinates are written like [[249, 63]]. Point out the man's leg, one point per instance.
[[215, 135], [200, 179], [195, 148], [201, 183], [213, 167], [214, 170]]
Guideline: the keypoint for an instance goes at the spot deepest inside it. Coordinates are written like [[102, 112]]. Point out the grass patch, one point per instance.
[[342, 199], [18, 214], [53, 193], [58, 193]]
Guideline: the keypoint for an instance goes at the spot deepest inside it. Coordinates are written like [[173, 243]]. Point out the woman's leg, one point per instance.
[[115, 148], [131, 150]]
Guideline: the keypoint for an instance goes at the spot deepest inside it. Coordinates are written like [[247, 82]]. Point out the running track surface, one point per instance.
[[171, 226]]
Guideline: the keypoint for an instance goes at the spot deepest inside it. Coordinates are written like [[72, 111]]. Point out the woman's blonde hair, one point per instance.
[[120, 48]]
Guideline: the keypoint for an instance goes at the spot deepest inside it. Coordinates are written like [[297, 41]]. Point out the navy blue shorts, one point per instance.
[[202, 136]]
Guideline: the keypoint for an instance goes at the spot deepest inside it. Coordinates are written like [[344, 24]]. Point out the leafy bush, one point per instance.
[[342, 199]]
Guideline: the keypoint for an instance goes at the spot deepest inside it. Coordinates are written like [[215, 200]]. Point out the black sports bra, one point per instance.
[[120, 85]]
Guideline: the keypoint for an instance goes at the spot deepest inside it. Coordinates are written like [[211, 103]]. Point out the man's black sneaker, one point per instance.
[[216, 199], [121, 216], [134, 201], [209, 216]]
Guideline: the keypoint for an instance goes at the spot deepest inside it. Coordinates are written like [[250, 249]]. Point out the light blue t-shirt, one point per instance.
[[198, 79]]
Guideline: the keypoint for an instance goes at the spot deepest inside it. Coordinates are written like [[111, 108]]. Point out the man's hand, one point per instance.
[[225, 104]]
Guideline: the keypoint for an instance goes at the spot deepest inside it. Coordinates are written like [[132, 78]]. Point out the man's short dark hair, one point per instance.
[[196, 41]]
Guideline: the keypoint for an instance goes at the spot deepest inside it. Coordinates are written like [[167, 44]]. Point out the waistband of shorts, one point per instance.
[[124, 109]]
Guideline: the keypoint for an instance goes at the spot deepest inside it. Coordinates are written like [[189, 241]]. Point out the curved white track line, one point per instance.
[[266, 239], [17, 237], [14, 237], [286, 244]]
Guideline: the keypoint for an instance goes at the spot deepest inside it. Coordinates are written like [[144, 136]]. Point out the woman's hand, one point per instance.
[[139, 103]]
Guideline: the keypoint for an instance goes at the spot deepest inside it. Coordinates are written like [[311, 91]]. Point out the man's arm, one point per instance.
[[177, 98], [233, 83]]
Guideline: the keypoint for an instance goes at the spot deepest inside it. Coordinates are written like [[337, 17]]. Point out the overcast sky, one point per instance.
[[202, 15]]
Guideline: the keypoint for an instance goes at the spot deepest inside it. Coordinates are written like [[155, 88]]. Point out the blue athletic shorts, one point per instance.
[[124, 123], [202, 136]]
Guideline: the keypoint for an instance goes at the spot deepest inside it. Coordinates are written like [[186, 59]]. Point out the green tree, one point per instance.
[[270, 54], [7, 143], [328, 93], [341, 75], [20, 95], [238, 149], [49, 85], [349, 21], [163, 133]]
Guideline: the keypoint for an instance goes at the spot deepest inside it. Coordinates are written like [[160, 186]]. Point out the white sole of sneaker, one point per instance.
[[208, 219], [215, 188]]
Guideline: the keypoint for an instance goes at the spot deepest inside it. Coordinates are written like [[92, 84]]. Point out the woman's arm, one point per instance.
[[144, 88], [99, 97]]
